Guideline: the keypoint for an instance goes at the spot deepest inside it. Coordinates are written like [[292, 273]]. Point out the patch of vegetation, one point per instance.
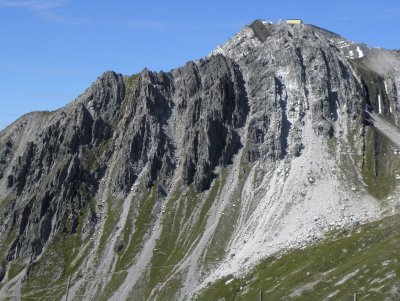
[[4, 202], [183, 224], [113, 213], [132, 239], [170, 289], [129, 82], [169, 247], [362, 260], [15, 268], [49, 275], [135, 235], [376, 163], [12, 234], [226, 225], [95, 156], [112, 286], [380, 165]]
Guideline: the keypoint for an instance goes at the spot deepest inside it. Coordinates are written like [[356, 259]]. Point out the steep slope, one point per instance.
[[153, 186], [362, 260]]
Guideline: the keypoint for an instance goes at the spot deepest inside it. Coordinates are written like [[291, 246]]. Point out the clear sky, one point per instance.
[[52, 50]]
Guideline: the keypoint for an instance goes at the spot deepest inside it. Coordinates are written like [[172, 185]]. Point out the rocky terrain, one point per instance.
[[158, 186]]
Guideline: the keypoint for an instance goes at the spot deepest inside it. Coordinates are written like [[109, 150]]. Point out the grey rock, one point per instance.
[[183, 126], [62, 155], [2, 273]]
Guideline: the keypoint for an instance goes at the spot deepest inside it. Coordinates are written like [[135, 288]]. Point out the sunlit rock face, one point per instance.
[[152, 186]]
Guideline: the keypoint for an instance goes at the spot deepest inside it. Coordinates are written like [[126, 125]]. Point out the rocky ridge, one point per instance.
[[263, 146]]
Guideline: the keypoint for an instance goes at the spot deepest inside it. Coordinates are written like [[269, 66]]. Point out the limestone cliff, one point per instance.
[[154, 185]]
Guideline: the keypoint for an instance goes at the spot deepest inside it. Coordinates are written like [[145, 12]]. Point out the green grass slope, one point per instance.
[[363, 260]]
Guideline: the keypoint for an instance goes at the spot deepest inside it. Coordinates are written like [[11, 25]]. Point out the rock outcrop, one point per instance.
[[211, 161]]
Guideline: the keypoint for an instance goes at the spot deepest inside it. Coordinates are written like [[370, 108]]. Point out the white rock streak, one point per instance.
[[379, 104], [359, 51]]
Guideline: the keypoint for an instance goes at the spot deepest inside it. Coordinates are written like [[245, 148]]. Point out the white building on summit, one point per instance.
[[294, 21]]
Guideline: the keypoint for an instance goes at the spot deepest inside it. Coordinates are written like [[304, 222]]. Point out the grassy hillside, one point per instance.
[[363, 260]]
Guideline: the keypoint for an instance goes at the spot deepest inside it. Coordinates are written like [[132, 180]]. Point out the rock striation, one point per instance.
[[275, 106]]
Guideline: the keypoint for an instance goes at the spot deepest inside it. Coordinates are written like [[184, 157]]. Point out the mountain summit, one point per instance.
[[209, 181]]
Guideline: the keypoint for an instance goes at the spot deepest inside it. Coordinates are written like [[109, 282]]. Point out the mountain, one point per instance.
[[268, 167]]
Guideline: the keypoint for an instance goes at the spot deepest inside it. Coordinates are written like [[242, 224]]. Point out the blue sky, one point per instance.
[[52, 50]]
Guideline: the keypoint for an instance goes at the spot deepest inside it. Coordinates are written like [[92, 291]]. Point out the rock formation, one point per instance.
[[205, 170]]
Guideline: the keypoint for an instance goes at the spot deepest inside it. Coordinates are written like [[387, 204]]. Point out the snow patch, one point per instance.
[[266, 22], [343, 44], [379, 104], [360, 53]]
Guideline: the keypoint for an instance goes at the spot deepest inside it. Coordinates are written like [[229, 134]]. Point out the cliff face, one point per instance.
[[147, 125], [205, 170]]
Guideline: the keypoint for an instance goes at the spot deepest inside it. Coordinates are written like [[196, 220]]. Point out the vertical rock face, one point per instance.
[[185, 118], [227, 159], [148, 124], [49, 176], [290, 71]]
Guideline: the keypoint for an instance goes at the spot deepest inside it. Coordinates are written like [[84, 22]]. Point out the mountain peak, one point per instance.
[[161, 184], [266, 34]]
